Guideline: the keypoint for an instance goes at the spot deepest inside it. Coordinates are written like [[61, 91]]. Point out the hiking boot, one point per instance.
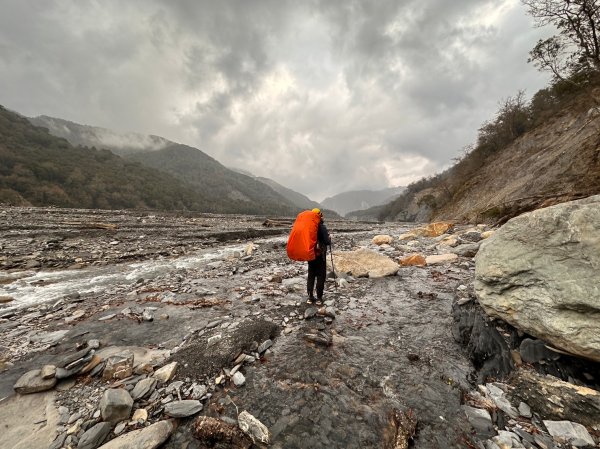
[[319, 302], [310, 300]]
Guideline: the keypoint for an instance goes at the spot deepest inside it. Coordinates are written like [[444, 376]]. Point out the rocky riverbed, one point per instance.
[[192, 331]]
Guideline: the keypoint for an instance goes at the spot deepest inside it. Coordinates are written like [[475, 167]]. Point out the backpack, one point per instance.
[[303, 238]]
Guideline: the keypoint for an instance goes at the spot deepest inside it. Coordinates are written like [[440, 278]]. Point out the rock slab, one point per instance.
[[569, 432], [183, 409], [94, 436], [33, 382], [149, 437], [539, 272]]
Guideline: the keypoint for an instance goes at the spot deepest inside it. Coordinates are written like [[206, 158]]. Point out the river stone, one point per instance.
[[252, 427], [116, 405], [264, 346], [363, 263], [118, 366], [569, 432], [413, 260], [48, 371], [310, 312], [441, 258], [466, 250], [6, 299], [32, 382], [238, 379], [94, 436], [143, 388], [539, 272], [165, 373], [141, 414], [183, 409], [149, 437], [433, 229], [382, 239]]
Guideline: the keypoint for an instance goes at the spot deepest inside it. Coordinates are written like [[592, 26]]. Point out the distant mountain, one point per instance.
[[230, 191], [40, 169], [299, 200], [356, 200]]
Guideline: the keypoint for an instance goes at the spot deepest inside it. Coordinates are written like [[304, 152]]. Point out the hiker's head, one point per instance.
[[317, 211]]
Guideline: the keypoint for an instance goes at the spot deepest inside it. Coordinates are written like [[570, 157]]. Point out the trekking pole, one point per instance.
[[332, 267]]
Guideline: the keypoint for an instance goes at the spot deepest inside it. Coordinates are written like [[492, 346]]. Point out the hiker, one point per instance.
[[317, 268], [308, 242]]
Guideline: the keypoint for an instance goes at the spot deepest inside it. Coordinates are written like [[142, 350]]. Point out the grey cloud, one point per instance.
[[322, 96]]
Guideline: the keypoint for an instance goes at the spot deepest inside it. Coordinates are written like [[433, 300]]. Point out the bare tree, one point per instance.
[[576, 47]]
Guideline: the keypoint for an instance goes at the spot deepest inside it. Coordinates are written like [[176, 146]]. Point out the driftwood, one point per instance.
[[401, 428], [214, 433]]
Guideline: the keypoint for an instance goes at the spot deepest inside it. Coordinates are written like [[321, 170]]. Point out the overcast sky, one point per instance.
[[321, 96]]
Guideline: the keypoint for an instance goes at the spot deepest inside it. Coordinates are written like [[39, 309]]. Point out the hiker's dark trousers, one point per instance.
[[316, 269]]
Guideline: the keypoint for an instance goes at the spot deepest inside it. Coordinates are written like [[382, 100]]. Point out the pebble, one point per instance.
[[238, 379]]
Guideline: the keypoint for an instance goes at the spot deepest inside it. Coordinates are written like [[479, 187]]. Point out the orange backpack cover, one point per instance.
[[303, 238]]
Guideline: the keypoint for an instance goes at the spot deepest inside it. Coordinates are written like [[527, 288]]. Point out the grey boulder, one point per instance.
[[539, 272], [115, 405], [183, 409], [94, 436], [33, 382], [149, 437]]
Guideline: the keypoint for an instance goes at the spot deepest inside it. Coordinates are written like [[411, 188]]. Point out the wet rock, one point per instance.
[[115, 405], [165, 373], [539, 272], [566, 432], [118, 366], [143, 388], [364, 263], [94, 436], [150, 437], [48, 338], [183, 409], [413, 260], [556, 399], [32, 382], [382, 239], [441, 258], [534, 351], [238, 379], [481, 421], [214, 432], [252, 427], [486, 347]]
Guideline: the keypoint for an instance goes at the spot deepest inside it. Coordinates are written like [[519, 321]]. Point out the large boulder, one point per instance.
[[540, 273], [363, 263]]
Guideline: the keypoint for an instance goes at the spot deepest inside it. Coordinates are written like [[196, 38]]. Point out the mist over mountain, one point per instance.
[[229, 190], [121, 143], [355, 200], [40, 169]]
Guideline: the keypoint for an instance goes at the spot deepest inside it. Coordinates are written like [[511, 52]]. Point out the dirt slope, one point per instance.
[[555, 162]]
